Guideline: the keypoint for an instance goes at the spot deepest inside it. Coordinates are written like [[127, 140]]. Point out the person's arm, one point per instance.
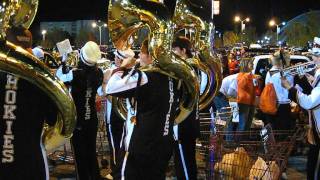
[[303, 83], [125, 86], [64, 77], [268, 78], [51, 113], [63, 72], [48, 108], [307, 102], [106, 76], [125, 80]]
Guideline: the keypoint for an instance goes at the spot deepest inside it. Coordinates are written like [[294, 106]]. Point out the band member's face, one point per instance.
[[117, 61], [178, 51], [145, 59]]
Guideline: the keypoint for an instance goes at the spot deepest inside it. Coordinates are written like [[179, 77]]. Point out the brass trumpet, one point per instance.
[[299, 69], [104, 64], [73, 59]]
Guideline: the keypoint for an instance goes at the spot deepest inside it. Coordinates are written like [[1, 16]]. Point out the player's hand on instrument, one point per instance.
[[309, 77]]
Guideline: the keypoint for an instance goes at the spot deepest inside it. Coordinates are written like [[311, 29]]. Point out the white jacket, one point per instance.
[[275, 79], [312, 104]]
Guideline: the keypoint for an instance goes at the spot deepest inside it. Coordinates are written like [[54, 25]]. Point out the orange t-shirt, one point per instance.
[[246, 89]]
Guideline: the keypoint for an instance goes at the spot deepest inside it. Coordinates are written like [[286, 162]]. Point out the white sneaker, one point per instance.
[[109, 176]]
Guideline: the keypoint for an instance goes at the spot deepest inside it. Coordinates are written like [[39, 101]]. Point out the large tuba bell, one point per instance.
[[184, 19], [125, 18], [201, 23], [26, 13], [213, 61], [17, 61]]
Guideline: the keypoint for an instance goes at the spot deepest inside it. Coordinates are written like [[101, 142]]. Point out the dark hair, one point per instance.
[[145, 46], [183, 43], [20, 36]]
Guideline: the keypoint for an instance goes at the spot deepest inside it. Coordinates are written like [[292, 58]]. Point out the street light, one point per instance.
[[99, 24], [238, 19], [94, 25], [219, 33], [44, 32], [273, 23]]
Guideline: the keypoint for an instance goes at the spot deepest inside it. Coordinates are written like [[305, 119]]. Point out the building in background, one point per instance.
[[75, 27]]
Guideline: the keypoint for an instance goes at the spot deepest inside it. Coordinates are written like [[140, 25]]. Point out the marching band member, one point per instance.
[[84, 81], [24, 109], [188, 131], [115, 126], [282, 120], [311, 103], [151, 142]]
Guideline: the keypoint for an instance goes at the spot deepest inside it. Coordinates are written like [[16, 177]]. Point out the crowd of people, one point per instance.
[[288, 90]]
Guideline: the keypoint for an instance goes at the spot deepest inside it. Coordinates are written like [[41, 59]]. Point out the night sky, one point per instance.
[[260, 11]]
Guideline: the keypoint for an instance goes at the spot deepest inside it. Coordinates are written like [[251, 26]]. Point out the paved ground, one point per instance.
[[296, 170]]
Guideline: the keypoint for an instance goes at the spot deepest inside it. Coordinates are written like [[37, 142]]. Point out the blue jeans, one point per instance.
[[220, 102], [246, 113]]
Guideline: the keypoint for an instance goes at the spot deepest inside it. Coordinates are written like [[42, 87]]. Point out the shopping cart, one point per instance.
[[206, 129], [255, 154]]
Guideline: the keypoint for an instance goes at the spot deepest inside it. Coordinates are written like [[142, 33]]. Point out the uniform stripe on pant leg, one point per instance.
[[183, 162], [112, 144], [176, 138], [45, 160], [122, 136], [124, 165]]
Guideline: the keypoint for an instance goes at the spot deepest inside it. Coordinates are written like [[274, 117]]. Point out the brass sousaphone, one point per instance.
[[185, 19], [196, 15], [126, 17], [16, 60]]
